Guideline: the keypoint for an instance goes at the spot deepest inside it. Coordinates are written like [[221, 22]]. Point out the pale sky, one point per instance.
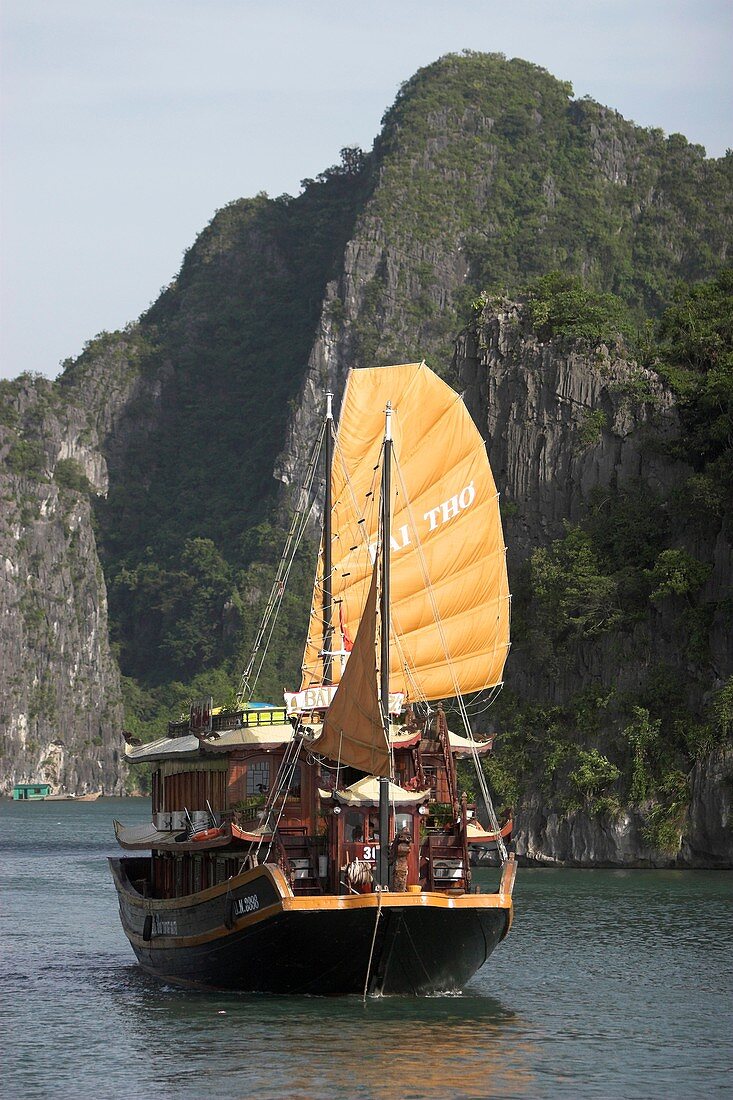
[[127, 123]]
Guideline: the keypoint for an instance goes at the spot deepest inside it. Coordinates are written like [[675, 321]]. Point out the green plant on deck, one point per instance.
[[250, 805], [441, 814]]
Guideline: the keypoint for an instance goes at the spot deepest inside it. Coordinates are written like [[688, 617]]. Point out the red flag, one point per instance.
[[348, 644]]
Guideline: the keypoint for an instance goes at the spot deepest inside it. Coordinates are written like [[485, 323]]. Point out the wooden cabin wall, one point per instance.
[[175, 876], [237, 777], [299, 811], [192, 790]]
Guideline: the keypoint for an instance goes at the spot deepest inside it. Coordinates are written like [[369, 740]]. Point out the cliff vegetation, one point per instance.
[[159, 472]]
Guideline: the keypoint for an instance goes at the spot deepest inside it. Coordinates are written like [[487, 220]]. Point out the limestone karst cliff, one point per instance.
[[583, 442], [61, 714], [61, 701], [145, 473]]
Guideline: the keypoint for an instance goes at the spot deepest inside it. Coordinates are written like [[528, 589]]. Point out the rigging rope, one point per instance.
[[280, 787], [285, 787], [298, 527], [315, 615]]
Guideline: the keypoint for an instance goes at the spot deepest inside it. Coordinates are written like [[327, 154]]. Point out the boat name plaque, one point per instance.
[[249, 904], [163, 927], [320, 698]]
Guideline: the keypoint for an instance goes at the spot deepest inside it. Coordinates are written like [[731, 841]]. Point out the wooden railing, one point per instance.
[[233, 720]]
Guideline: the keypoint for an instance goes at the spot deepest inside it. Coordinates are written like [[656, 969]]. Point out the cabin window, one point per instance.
[[258, 777], [403, 821], [354, 827]]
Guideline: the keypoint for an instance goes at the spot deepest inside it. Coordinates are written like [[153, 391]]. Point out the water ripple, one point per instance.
[[611, 984]]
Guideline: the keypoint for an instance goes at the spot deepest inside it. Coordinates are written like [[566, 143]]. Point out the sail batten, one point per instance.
[[450, 604]]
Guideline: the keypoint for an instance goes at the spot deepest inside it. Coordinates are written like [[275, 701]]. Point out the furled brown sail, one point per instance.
[[353, 728]]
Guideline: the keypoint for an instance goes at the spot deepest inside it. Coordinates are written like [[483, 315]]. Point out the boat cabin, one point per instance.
[[31, 792], [253, 792]]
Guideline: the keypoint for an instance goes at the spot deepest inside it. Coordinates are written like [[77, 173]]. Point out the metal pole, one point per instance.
[[327, 563], [384, 643]]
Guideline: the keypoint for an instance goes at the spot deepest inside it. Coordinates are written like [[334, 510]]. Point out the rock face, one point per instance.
[[61, 713], [546, 838], [486, 173], [474, 181], [706, 841], [62, 708], [561, 425]]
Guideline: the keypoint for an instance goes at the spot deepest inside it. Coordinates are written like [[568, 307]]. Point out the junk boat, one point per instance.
[[323, 847]]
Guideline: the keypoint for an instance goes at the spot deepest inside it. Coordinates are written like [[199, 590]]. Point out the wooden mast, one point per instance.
[[383, 875], [327, 562]]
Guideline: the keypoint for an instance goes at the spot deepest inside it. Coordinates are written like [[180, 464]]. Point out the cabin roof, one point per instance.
[[251, 737], [365, 792], [462, 746], [400, 737], [271, 736], [166, 748]]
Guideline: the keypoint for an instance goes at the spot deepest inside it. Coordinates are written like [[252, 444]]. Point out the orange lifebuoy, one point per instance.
[[208, 834]]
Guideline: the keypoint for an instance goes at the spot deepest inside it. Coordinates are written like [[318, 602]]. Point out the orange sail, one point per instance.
[[449, 628]]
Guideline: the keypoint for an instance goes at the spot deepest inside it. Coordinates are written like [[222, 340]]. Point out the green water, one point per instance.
[[611, 984]]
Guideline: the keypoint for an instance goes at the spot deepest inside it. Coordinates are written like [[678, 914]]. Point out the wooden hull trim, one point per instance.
[[251, 934]]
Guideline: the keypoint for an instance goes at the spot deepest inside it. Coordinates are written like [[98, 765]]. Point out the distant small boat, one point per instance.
[[89, 797], [60, 798]]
